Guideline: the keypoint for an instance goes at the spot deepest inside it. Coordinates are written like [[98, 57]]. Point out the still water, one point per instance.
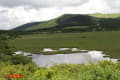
[[72, 58]]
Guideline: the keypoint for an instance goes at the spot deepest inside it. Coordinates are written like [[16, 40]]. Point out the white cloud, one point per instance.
[[99, 6], [19, 15], [23, 11], [41, 3]]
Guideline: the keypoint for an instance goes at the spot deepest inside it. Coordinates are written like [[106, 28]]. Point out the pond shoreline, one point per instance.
[[47, 60], [49, 51], [71, 58]]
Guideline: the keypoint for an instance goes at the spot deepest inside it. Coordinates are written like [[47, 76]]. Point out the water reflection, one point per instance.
[[73, 58]]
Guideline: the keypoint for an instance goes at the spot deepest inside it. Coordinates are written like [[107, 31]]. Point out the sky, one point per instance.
[[17, 12]]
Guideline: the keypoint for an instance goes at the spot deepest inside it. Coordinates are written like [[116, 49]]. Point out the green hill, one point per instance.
[[26, 26], [67, 20], [75, 22]]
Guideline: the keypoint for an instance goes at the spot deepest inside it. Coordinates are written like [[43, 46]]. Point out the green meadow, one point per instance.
[[107, 41]]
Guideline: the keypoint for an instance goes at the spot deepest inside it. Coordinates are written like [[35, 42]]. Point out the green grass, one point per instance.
[[108, 41], [47, 24], [115, 15], [76, 27]]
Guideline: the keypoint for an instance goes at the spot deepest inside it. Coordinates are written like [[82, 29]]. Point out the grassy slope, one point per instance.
[[105, 41], [28, 25], [116, 15], [64, 18], [47, 24]]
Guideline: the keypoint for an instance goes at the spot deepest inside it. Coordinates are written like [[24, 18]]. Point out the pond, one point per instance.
[[72, 58]]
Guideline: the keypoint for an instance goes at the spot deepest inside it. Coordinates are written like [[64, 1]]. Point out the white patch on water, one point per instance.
[[22, 53], [61, 49], [18, 52], [48, 50], [64, 49], [73, 58], [75, 49]]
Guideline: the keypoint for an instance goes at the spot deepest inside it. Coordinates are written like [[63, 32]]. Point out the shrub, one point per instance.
[[19, 59]]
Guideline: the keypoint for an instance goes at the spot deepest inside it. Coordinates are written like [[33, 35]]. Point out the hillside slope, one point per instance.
[[75, 22], [28, 25], [64, 20]]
